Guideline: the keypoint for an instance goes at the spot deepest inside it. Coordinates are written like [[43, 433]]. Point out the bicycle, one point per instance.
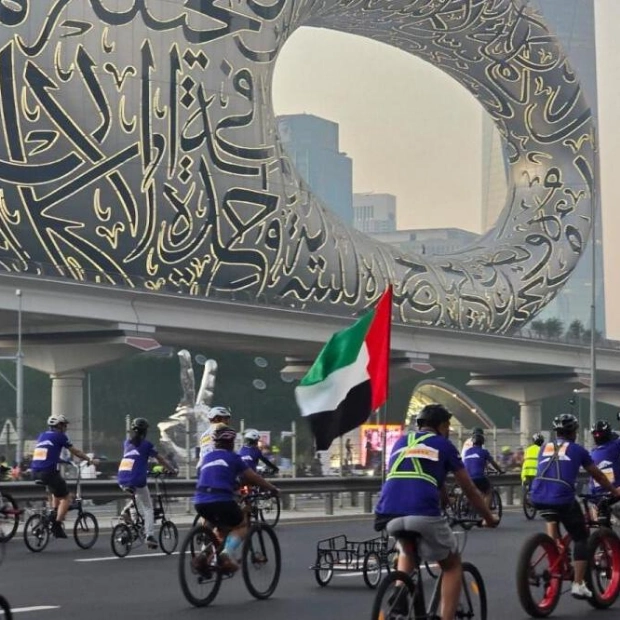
[[9, 516], [544, 563], [38, 527], [466, 511], [529, 510], [472, 601], [130, 531], [5, 607], [201, 572]]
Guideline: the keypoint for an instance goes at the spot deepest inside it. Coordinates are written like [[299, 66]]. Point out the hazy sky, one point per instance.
[[412, 131]]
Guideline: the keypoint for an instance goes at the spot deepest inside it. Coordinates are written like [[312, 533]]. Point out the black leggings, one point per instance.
[[571, 517]]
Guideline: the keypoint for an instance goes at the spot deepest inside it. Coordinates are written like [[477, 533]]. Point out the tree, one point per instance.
[[554, 328], [538, 327], [575, 330]]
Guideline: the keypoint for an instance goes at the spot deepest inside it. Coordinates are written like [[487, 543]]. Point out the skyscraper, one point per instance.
[[312, 143], [573, 23], [374, 213]]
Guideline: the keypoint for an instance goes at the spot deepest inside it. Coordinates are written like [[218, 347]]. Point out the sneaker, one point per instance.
[[580, 590], [58, 530], [227, 564], [151, 543], [201, 564]]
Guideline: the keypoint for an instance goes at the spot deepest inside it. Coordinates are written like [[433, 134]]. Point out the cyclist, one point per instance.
[[215, 494], [606, 456], [216, 415], [530, 459], [553, 492], [469, 442], [476, 459], [252, 454], [132, 473], [410, 501], [44, 467]]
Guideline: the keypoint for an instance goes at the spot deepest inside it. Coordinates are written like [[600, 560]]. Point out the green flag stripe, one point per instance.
[[341, 350]]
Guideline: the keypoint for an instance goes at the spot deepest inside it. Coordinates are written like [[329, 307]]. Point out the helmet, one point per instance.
[[433, 415], [477, 439], [141, 425], [538, 439], [215, 412], [566, 423], [222, 433], [477, 431], [601, 431], [251, 435], [56, 419]]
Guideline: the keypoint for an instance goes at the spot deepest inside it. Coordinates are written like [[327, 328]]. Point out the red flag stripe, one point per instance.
[[378, 344]]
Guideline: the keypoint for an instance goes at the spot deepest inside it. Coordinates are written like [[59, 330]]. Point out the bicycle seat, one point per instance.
[[411, 535]]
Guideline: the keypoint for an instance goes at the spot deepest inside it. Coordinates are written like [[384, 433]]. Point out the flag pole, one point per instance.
[[384, 455]]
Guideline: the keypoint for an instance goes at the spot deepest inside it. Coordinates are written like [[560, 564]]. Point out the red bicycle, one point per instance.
[[544, 563]]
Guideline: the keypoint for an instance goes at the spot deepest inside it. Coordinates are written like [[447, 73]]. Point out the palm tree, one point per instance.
[[554, 328], [538, 327], [575, 330]]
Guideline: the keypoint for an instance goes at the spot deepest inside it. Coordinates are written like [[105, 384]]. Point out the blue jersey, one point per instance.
[[47, 451], [417, 470], [218, 475], [250, 455], [607, 458], [475, 460], [133, 468], [559, 462]]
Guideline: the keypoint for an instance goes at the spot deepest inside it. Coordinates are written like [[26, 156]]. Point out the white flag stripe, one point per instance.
[[327, 395]]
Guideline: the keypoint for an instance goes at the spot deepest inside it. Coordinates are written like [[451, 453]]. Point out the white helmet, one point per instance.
[[214, 412], [251, 434], [56, 419]]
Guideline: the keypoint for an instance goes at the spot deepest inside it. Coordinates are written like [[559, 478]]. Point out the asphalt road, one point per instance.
[[64, 582]]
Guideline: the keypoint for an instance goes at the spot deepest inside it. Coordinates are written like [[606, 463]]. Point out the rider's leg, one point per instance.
[[234, 540], [63, 507], [145, 506], [451, 581]]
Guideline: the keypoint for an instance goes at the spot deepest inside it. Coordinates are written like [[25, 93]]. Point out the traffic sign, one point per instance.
[[8, 435]]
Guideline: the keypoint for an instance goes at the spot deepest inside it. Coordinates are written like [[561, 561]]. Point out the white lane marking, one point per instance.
[[127, 557], [19, 610]]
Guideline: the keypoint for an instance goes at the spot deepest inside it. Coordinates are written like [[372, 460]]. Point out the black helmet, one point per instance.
[[433, 415], [538, 439], [565, 423], [477, 439], [477, 430], [140, 425], [601, 431]]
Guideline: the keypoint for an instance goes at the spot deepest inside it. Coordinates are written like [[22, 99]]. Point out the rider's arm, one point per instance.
[[251, 477], [602, 479], [474, 496], [163, 462], [81, 455], [495, 466]]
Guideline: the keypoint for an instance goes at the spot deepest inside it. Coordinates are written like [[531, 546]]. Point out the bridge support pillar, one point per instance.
[[531, 420], [68, 400]]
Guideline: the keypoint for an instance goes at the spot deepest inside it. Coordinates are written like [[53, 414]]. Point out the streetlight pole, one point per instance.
[[595, 195], [19, 383]]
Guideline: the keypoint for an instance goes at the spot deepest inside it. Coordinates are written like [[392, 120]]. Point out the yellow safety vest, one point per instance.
[[530, 462], [415, 450]]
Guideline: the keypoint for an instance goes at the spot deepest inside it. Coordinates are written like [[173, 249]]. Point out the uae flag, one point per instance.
[[349, 378]]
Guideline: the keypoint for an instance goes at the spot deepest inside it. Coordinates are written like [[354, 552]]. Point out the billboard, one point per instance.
[[371, 442]]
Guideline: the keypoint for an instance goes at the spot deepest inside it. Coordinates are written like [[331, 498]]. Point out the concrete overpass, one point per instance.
[[68, 327]]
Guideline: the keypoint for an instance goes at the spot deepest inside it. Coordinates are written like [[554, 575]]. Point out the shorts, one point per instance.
[[569, 515], [54, 482], [482, 484], [221, 514], [437, 540]]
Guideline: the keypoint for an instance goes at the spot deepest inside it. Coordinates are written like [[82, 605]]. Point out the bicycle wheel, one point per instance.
[[529, 510], [395, 594], [196, 521], [5, 609], [269, 510], [121, 540], [464, 509], [199, 574], [324, 570], [496, 505], [168, 537], [371, 569], [261, 561], [86, 530], [473, 599], [9, 517], [539, 578], [603, 574], [36, 533]]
